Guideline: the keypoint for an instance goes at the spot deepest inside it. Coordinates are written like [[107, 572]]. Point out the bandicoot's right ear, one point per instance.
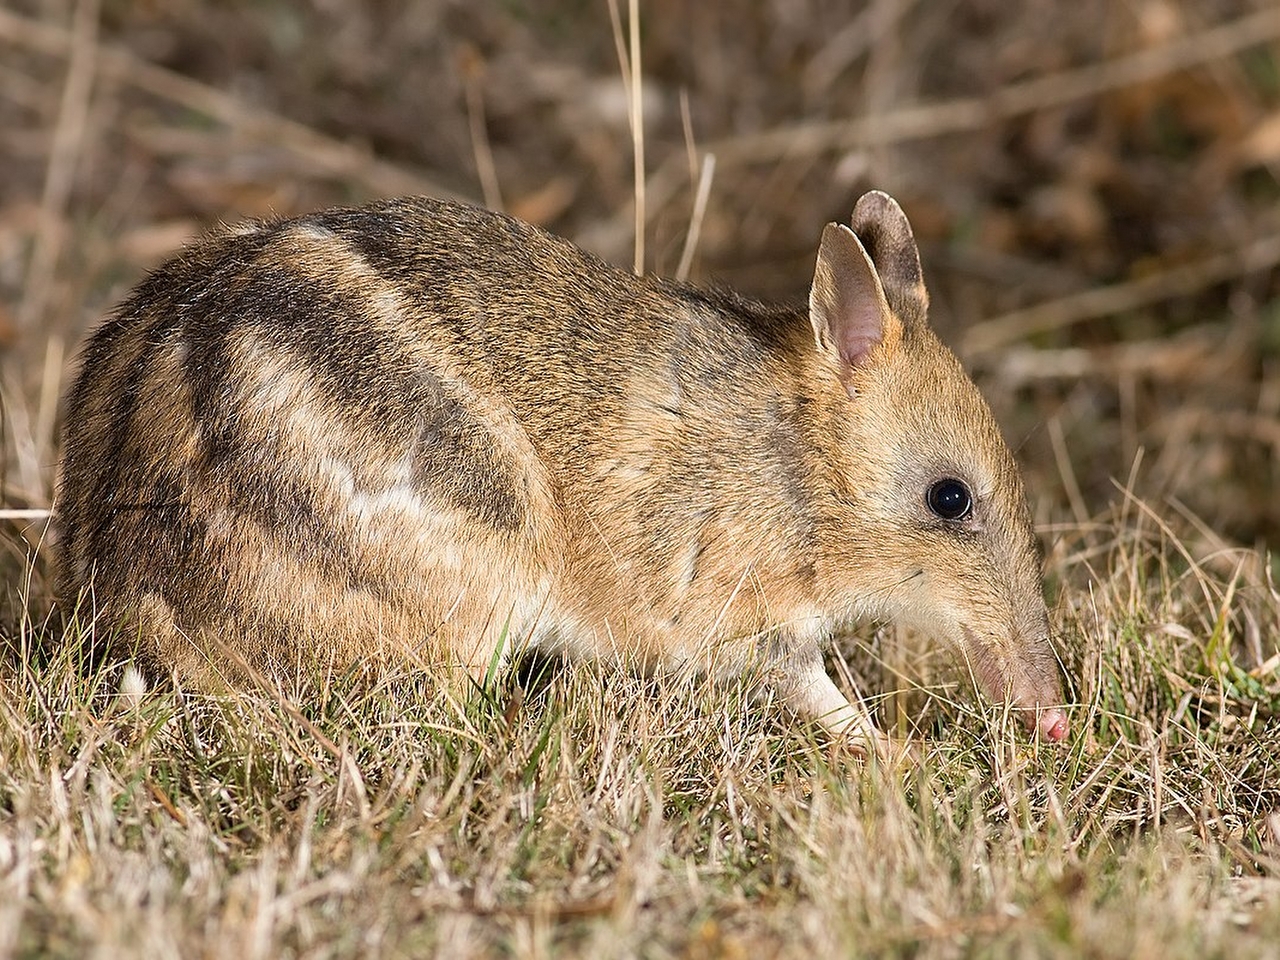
[[847, 305], [885, 234]]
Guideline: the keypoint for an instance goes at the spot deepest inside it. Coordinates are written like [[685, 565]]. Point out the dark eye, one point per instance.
[[950, 499]]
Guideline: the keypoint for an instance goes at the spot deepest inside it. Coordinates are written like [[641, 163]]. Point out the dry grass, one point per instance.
[[594, 813], [1095, 188]]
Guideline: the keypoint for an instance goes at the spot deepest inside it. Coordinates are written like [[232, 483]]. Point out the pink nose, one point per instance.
[[1053, 724]]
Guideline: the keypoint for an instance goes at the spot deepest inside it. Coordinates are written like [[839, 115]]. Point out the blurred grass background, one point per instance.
[[1094, 184]]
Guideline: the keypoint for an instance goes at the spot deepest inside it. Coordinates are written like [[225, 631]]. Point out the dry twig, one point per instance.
[[1177, 281]]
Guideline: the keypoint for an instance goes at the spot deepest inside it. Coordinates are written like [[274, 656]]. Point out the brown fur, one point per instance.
[[411, 429]]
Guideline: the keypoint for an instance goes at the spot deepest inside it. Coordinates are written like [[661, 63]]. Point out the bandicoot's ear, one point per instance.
[[886, 235], [847, 305]]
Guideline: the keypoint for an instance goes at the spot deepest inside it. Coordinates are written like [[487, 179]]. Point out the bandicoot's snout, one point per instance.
[[1035, 692], [1043, 711], [1040, 698], [1027, 680], [1052, 723]]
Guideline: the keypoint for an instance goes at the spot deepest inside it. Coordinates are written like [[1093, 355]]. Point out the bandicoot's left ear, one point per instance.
[[847, 306], [886, 235]]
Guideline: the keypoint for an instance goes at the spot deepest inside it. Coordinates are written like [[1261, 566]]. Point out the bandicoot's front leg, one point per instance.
[[804, 685]]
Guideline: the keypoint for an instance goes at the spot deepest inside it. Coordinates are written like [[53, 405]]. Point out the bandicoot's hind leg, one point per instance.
[[804, 685], [479, 639]]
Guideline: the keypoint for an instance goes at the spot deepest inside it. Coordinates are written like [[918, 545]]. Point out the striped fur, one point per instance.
[[409, 430]]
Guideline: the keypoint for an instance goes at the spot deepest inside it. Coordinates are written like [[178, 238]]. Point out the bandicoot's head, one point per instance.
[[943, 534]]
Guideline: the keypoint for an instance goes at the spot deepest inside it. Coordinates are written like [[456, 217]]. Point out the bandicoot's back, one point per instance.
[[419, 430]]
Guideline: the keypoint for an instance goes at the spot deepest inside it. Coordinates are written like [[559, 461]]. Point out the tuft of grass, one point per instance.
[[580, 810]]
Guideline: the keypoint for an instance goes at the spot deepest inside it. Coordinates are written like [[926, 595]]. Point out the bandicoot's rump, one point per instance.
[[414, 429]]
